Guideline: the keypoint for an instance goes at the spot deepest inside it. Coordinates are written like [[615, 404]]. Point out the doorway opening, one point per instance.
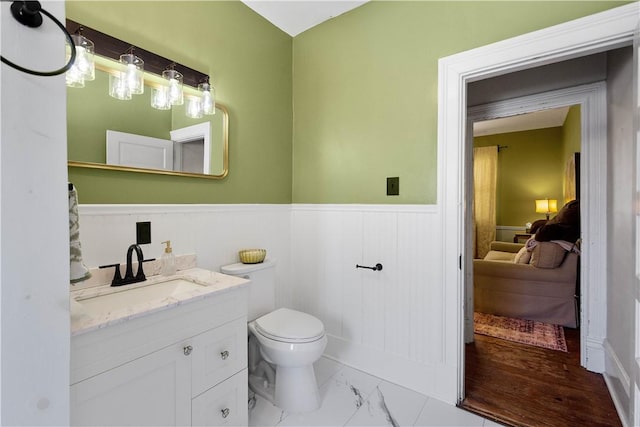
[[536, 157], [601, 32]]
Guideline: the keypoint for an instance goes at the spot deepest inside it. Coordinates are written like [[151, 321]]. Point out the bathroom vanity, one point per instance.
[[172, 352]]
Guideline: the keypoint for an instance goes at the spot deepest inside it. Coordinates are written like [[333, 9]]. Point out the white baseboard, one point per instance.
[[618, 382], [595, 355]]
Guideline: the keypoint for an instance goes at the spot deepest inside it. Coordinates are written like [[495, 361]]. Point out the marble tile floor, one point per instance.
[[354, 398]]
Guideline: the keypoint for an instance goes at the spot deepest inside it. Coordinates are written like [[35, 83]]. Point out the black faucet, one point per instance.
[[128, 276]]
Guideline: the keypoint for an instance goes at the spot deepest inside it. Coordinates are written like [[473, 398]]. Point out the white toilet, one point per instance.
[[285, 341]]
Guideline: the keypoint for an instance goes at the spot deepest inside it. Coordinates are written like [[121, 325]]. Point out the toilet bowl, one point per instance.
[[292, 341], [283, 344]]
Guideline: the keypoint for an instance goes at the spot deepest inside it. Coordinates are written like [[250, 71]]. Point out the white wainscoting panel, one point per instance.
[[389, 322]]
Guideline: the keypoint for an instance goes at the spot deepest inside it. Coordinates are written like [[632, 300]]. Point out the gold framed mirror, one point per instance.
[[131, 136]]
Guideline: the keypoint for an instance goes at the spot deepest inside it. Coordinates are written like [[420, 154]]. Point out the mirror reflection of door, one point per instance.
[[192, 148], [188, 156], [128, 149]]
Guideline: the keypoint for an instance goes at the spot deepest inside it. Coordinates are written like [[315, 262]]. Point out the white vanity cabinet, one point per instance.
[[185, 365]]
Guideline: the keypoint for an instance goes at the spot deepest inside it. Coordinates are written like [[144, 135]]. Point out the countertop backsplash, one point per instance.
[[104, 276]]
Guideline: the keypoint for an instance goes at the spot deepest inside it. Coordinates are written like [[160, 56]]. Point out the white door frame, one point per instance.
[[596, 33], [592, 99], [191, 133]]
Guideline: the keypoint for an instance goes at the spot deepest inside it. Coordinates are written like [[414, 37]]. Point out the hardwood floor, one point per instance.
[[522, 385]]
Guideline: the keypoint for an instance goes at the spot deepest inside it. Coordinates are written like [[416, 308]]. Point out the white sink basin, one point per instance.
[[122, 298]]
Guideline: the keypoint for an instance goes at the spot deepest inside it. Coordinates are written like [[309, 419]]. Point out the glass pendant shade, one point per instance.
[[118, 87], [176, 96], [74, 78], [207, 98], [194, 107], [160, 98], [133, 73], [83, 68]]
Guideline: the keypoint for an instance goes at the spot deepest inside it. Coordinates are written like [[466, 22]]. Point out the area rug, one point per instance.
[[521, 331]]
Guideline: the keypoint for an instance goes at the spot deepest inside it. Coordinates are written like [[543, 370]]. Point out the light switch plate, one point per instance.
[[393, 186], [143, 233]]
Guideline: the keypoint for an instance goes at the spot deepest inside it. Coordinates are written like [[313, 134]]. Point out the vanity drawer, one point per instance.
[[217, 354], [223, 405], [106, 348]]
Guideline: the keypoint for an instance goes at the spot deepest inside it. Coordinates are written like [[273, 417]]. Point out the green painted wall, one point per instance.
[[251, 67], [571, 133], [365, 91], [531, 168], [571, 137]]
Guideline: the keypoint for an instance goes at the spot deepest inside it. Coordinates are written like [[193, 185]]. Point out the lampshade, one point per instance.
[[133, 73], [208, 99], [160, 98], [83, 68], [194, 107], [546, 206], [118, 87], [176, 96]]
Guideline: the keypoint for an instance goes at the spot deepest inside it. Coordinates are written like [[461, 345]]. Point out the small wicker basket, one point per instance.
[[252, 256]]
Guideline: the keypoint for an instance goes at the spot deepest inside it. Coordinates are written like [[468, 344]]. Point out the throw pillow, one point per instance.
[[547, 255], [523, 256]]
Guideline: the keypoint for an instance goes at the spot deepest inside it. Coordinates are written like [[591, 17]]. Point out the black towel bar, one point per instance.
[[377, 267]]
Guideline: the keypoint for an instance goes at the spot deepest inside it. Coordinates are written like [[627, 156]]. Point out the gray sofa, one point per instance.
[[523, 290]]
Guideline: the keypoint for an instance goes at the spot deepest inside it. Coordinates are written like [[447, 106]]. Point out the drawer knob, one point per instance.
[[225, 412], [187, 350], [224, 355]]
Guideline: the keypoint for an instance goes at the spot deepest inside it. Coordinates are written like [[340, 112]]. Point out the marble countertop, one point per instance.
[[84, 320]]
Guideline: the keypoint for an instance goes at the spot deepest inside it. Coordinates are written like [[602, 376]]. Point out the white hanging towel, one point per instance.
[[79, 271]]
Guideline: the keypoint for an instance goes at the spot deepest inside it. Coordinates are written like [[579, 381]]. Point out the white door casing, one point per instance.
[[596, 33], [200, 131], [635, 390]]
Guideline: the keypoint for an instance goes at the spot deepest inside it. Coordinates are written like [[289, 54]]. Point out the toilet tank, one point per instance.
[[262, 290]]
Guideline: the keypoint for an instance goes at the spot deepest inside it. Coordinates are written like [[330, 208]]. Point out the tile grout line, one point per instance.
[[420, 411]]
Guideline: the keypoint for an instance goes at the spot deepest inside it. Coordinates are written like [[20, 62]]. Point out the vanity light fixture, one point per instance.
[[127, 74], [83, 68]]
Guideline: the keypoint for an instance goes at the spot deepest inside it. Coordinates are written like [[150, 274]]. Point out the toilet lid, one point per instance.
[[290, 326]]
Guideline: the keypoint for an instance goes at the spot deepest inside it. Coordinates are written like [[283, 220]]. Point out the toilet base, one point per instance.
[[296, 389]]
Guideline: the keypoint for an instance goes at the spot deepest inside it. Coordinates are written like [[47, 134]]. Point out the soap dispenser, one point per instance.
[[168, 261]]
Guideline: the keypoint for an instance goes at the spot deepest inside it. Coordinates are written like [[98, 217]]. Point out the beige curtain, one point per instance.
[[485, 176], [570, 180]]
